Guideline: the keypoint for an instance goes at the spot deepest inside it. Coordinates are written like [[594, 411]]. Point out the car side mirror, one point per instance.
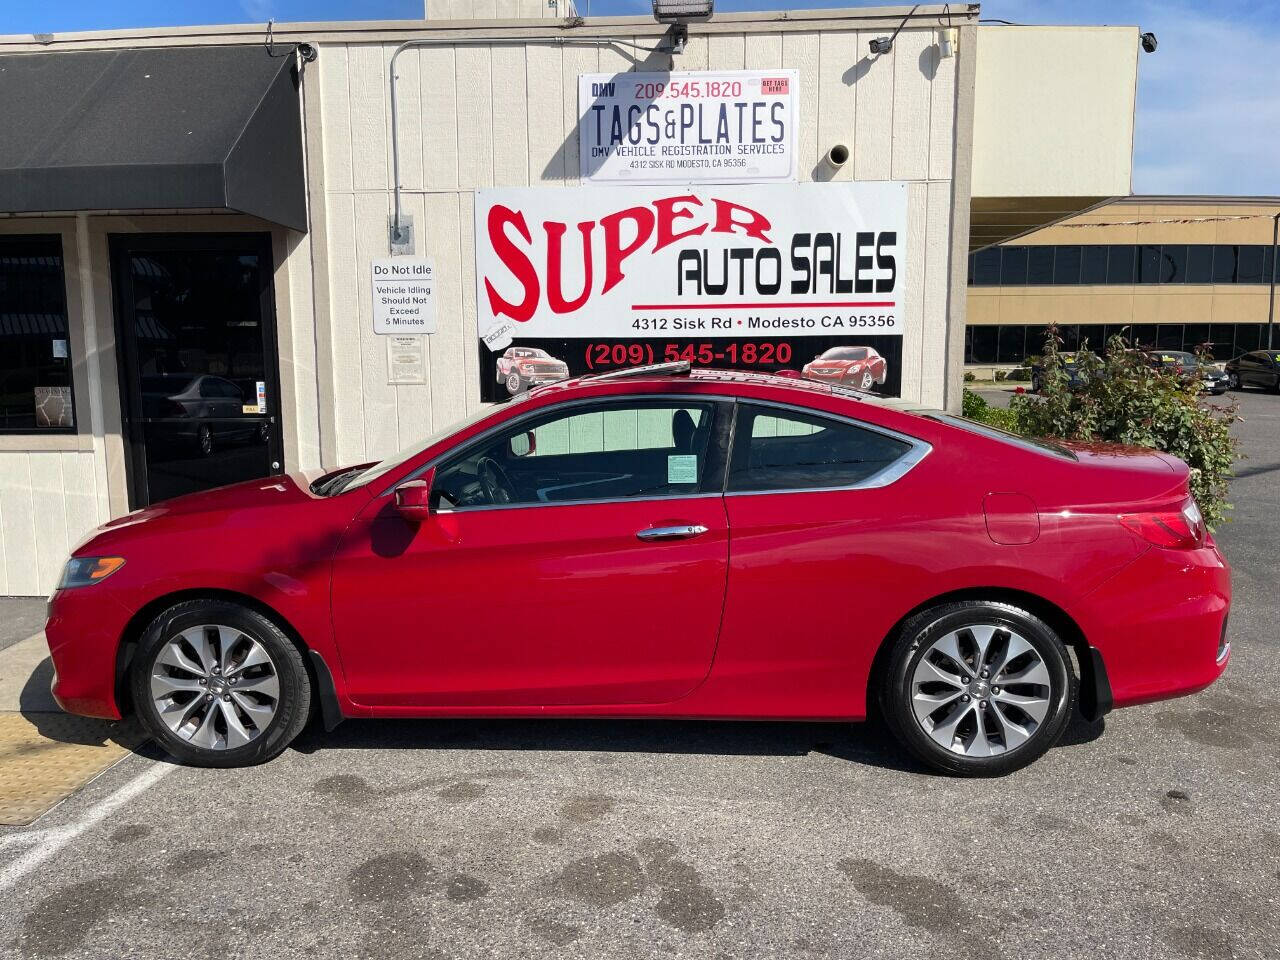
[[523, 444], [413, 499]]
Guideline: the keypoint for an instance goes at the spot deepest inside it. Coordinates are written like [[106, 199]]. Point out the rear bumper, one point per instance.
[[83, 633], [1160, 624]]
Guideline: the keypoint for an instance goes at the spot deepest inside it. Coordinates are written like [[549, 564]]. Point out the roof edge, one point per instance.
[[930, 15]]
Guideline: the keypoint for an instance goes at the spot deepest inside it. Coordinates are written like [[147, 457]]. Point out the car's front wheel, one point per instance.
[[219, 685], [978, 688], [1233, 381]]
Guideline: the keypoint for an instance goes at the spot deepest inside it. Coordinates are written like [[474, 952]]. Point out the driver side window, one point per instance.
[[618, 449]]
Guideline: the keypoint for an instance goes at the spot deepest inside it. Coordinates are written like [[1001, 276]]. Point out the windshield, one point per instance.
[[846, 353], [383, 467]]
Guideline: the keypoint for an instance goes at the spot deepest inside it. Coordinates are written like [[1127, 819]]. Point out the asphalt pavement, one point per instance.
[[1154, 834], [20, 617]]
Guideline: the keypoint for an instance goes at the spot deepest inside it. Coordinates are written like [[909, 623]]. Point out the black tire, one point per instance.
[[204, 441], [515, 384], [914, 642], [293, 706]]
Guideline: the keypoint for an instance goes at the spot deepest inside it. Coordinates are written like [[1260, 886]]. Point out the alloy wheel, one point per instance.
[[981, 690], [215, 687]]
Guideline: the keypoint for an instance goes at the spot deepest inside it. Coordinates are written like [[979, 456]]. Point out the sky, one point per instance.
[[1208, 117]]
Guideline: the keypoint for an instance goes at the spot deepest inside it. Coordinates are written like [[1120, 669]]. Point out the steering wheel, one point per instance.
[[494, 481]]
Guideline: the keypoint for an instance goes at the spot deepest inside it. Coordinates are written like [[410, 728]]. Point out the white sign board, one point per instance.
[[406, 360], [403, 296], [800, 260], [733, 126]]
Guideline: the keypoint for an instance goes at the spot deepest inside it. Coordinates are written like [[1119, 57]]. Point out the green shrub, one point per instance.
[[1122, 399], [974, 407], [1001, 375], [969, 376]]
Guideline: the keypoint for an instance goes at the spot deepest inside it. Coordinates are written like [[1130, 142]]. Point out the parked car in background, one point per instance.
[[199, 411], [858, 367], [1188, 367], [1070, 367], [1261, 368], [523, 367], [680, 558]]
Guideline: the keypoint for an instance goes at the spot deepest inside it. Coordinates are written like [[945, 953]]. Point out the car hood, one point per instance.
[[268, 493]]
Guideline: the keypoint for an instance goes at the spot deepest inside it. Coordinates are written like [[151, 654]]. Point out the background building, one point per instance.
[[189, 217], [1176, 272]]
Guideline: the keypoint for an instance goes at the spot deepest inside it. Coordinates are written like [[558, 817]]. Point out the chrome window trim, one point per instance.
[[577, 503], [890, 474]]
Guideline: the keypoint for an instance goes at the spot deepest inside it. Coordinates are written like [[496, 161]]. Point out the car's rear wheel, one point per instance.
[[978, 688], [219, 685]]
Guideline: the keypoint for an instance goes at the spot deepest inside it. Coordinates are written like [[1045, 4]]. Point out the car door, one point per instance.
[[1271, 369], [1251, 372], [826, 528], [577, 556]]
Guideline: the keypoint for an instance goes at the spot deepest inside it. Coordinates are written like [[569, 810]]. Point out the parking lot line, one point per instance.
[[47, 843]]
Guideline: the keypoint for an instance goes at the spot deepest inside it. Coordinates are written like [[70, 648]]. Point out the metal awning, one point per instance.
[[153, 129]]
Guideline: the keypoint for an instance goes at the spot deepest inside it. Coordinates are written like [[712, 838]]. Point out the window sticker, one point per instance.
[[682, 468]]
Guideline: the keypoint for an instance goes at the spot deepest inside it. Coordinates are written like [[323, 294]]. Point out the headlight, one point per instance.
[[82, 571]]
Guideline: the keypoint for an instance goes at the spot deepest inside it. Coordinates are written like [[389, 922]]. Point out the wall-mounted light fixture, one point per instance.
[[947, 39], [679, 14]]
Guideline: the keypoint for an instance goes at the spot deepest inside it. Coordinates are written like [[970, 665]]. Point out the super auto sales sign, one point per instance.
[[761, 276]]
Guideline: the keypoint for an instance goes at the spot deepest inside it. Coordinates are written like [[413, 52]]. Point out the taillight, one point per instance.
[[1172, 529]]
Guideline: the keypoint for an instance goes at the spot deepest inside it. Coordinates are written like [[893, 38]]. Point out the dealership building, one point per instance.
[[227, 254], [1171, 273]]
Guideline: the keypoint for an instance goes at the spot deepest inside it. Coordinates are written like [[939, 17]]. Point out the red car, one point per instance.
[[522, 367], [857, 367], [660, 543]]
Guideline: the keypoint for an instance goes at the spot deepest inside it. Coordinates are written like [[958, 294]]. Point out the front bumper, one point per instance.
[[83, 632], [1160, 624]]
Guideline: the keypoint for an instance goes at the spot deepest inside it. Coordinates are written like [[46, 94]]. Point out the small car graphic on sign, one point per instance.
[[522, 367], [857, 367]]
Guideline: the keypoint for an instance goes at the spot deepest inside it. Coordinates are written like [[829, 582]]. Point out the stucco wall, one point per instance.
[[1053, 111]]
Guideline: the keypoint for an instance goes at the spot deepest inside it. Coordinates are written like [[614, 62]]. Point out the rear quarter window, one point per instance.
[[778, 449]]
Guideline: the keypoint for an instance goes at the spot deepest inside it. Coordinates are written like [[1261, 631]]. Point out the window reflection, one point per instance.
[[1070, 264]]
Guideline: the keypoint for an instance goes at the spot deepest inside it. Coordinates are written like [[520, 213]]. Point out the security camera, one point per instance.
[[881, 45], [307, 52], [1148, 42]]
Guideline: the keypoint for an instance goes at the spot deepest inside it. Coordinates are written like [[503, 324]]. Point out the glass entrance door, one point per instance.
[[195, 318]]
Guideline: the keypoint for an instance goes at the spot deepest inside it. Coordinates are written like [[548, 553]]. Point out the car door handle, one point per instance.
[[683, 531]]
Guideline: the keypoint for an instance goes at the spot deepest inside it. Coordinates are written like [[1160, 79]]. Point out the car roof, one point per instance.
[[798, 389]]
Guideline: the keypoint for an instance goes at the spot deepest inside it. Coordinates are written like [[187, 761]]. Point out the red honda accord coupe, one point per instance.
[[655, 543]]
